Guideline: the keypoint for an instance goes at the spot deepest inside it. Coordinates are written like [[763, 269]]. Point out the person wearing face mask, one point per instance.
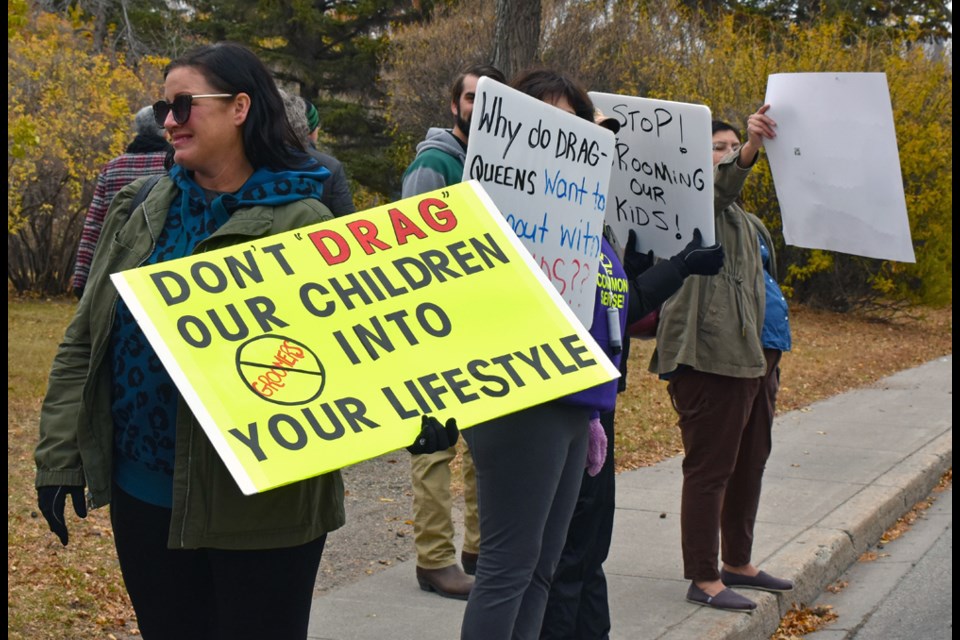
[[719, 344]]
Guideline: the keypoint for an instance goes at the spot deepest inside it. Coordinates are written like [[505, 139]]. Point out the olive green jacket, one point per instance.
[[76, 427], [714, 323]]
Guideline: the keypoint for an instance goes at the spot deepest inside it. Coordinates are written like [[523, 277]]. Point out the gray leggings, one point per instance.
[[529, 466]]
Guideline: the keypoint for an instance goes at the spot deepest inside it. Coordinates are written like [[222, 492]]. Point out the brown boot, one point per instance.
[[449, 582], [469, 562]]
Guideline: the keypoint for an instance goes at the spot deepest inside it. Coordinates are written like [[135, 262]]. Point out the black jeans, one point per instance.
[[182, 594], [577, 608], [529, 464]]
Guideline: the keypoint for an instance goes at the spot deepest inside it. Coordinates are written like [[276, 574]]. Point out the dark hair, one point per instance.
[[720, 125], [268, 138], [546, 85], [479, 70]]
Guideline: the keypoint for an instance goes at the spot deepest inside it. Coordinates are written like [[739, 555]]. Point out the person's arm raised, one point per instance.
[[760, 126]]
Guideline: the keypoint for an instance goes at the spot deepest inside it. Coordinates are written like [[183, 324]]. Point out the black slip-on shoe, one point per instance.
[[763, 581], [727, 600]]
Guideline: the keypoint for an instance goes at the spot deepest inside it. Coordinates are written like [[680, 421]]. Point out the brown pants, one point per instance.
[[725, 424]]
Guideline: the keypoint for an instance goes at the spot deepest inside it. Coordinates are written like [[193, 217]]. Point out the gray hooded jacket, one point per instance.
[[439, 163]]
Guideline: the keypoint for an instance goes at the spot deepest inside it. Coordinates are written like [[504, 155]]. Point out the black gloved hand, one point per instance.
[[51, 501], [697, 259], [434, 436], [635, 263]]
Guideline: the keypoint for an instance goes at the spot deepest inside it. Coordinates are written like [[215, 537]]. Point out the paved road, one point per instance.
[[907, 592]]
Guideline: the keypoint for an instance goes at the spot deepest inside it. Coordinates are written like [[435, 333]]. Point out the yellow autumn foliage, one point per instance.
[[659, 50], [70, 110]]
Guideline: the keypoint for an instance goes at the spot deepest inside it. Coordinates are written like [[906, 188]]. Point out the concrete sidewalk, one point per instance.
[[842, 471]]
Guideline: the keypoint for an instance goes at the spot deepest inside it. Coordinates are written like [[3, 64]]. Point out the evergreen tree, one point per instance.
[[328, 51]]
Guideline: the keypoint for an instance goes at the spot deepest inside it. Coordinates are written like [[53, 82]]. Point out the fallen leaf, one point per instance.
[[801, 621], [837, 586]]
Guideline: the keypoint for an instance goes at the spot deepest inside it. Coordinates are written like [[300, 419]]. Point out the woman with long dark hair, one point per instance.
[[199, 559]]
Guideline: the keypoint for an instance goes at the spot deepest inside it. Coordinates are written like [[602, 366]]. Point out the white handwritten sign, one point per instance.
[[547, 171], [662, 180]]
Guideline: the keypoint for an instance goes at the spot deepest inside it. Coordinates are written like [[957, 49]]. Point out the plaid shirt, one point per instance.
[[115, 175]]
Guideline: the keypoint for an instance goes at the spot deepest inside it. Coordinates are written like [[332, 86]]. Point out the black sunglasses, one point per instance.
[[181, 107]]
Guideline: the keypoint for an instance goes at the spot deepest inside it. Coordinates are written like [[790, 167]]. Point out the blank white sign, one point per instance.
[[835, 164]]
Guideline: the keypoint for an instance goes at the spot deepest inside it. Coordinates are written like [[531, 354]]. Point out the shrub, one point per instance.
[[69, 111]]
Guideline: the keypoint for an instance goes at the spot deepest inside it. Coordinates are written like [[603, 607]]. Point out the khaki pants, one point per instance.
[[432, 503]]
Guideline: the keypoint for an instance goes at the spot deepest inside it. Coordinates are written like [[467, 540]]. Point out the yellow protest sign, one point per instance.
[[307, 351]]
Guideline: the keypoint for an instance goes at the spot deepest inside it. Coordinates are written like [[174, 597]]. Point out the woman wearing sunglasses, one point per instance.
[[199, 559]]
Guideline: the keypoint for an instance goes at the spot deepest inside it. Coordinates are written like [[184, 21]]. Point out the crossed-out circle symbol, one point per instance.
[[280, 370]]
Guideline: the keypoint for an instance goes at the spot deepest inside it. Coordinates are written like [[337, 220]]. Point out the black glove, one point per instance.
[[697, 259], [635, 263], [434, 436], [52, 500]]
